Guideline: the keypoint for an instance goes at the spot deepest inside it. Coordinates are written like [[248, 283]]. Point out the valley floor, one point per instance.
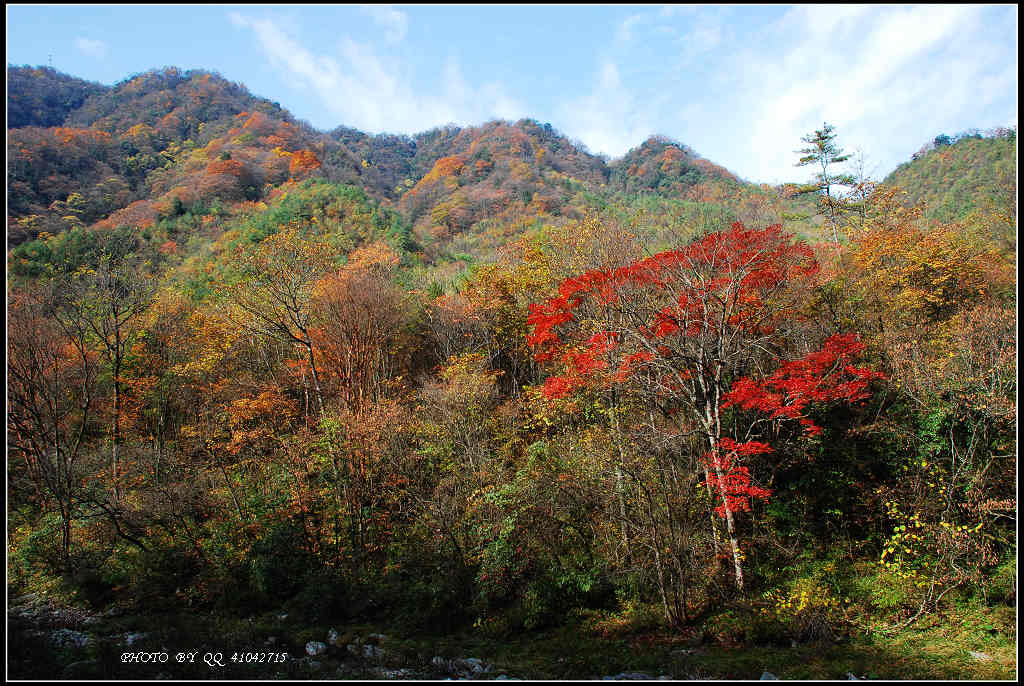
[[50, 642]]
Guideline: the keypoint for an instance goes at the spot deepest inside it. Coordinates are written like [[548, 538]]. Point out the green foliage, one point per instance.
[[279, 560], [953, 180], [1002, 585]]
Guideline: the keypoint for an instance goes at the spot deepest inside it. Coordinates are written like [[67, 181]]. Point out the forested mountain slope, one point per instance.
[[42, 96], [953, 177], [167, 141], [477, 386]]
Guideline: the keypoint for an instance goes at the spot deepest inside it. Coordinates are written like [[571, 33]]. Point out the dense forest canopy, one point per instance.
[[479, 378]]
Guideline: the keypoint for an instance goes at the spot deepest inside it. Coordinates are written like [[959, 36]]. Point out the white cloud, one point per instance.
[[91, 48], [394, 22], [743, 93], [608, 119], [375, 93], [888, 78], [625, 31], [737, 87]]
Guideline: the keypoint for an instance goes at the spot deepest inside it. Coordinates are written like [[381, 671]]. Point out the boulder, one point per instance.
[[474, 665], [314, 648]]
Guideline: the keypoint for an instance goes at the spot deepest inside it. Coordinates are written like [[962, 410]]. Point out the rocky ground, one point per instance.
[[51, 642], [48, 641]]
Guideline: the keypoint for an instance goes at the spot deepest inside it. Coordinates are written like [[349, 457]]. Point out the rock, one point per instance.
[[68, 637], [629, 676], [366, 651], [403, 673], [314, 648], [333, 636], [474, 665], [688, 651], [768, 676], [283, 615], [132, 639], [978, 655], [440, 663]]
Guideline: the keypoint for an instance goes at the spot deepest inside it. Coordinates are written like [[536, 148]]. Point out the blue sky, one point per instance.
[[738, 84]]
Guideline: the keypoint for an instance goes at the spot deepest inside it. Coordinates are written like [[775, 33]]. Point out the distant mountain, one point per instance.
[[953, 176], [158, 142], [497, 172], [662, 165], [167, 142], [41, 96]]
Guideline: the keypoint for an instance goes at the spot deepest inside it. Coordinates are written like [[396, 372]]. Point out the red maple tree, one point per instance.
[[681, 328]]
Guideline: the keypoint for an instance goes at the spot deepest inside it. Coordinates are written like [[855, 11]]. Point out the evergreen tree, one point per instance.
[[822, 150]]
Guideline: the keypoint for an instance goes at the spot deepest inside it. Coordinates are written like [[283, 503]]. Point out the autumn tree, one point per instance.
[[275, 292], [936, 302], [105, 303], [361, 317], [693, 331], [52, 393]]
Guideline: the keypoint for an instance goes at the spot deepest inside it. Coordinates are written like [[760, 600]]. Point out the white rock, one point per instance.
[[978, 655], [314, 648], [768, 676]]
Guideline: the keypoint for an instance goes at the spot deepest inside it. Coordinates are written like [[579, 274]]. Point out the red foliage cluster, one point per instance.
[[823, 376], [732, 480], [734, 269]]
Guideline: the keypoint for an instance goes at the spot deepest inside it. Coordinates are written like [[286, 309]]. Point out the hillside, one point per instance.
[[665, 166], [42, 96], [953, 177], [373, 404], [167, 141]]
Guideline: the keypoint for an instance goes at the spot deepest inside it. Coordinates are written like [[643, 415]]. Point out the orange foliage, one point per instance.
[[303, 162], [232, 167], [68, 136], [446, 166], [141, 213]]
